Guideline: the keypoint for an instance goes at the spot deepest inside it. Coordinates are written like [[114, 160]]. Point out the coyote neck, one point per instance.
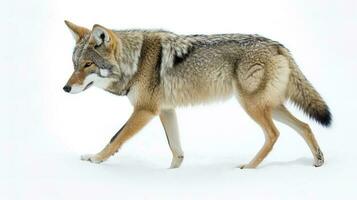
[[127, 56], [128, 52]]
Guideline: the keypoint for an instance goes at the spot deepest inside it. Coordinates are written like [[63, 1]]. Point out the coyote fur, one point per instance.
[[160, 71]]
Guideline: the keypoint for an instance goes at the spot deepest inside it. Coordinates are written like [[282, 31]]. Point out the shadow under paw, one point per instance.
[[300, 161]]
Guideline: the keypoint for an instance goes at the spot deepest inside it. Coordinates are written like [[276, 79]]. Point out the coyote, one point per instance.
[[160, 70]]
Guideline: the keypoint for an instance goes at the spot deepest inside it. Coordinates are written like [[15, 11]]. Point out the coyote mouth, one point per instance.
[[87, 86]]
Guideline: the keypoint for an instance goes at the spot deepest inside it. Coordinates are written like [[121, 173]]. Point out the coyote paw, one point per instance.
[[247, 166], [176, 162], [319, 159], [93, 158], [318, 163]]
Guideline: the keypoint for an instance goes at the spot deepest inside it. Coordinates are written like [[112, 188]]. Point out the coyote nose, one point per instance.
[[67, 88]]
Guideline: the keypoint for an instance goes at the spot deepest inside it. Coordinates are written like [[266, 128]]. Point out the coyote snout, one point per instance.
[[79, 81]]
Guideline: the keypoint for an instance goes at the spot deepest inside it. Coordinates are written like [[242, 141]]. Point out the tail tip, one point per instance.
[[324, 118]]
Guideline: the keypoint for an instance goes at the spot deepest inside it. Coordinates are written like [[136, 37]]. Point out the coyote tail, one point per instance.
[[302, 94]]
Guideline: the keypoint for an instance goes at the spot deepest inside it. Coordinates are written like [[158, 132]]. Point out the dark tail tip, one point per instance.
[[323, 117]]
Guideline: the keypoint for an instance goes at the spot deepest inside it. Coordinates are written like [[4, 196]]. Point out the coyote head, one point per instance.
[[94, 58]]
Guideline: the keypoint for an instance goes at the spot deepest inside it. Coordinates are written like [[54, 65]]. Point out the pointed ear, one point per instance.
[[102, 35], [78, 32]]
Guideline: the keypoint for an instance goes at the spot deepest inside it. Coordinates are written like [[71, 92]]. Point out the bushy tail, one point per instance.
[[302, 94]]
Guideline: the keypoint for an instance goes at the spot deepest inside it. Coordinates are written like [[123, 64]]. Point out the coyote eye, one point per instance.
[[88, 64]]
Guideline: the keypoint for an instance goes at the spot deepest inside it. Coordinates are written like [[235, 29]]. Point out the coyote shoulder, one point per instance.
[[160, 71]]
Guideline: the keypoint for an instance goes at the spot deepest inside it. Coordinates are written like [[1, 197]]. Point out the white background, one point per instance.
[[44, 130]]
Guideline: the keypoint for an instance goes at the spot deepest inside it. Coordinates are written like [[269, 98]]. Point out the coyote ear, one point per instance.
[[78, 32], [102, 35]]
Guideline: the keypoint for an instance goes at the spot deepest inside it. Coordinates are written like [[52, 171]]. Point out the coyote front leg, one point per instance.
[[138, 120], [169, 121]]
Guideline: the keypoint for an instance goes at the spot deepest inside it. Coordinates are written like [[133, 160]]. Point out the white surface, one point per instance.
[[44, 130]]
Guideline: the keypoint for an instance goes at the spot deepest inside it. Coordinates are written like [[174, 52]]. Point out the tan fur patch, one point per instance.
[[77, 78]]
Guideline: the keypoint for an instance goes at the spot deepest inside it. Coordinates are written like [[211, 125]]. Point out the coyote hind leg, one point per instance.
[[281, 114], [264, 118]]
